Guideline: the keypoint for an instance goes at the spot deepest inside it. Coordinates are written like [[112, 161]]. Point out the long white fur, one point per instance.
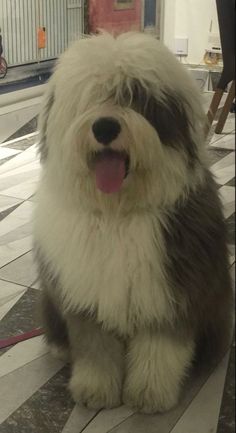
[[109, 250]]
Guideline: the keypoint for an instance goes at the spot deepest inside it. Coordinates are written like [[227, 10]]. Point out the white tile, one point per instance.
[[8, 305], [21, 354], [11, 122], [19, 385], [14, 181], [5, 152], [78, 419], [23, 190], [13, 250], [21, 271], [8, 291], [107, 419], [224, 170], [18, 139], [227, 194], [202, 415], [22, 159], [9, 294], [17, 234], [17, 218], [7, 202], [20, 167], [225, 142]]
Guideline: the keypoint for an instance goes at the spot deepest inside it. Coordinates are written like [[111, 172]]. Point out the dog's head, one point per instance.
[[122, 124]]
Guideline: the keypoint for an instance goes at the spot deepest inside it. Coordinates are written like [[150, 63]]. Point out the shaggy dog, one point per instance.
[[129, 231]]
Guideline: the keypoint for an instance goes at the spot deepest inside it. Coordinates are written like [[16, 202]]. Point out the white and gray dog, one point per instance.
[[129, 232]]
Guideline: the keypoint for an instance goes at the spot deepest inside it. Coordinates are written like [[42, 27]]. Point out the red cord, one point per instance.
[[21, 337]]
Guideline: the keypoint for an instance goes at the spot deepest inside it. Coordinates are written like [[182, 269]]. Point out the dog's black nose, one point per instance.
[[106, 129]]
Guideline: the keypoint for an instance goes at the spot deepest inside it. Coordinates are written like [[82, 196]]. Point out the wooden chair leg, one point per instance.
[[226, 109], [214, 105], [213, 108]]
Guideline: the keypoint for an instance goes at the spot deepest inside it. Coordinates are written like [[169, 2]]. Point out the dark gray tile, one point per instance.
[[216, 155], [28, 128], [231, 229], [231, 182], [24, 144], [23, 316], [46, 411], [227, 412], [7, 212]]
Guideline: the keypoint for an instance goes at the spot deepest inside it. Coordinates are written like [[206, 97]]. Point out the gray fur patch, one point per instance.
[[51, 316], [198, 267]]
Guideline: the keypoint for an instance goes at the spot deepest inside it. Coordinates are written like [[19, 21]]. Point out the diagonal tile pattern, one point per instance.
[[34, 383]]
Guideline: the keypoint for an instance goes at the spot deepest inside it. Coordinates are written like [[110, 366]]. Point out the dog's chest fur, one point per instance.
[[111, 266]]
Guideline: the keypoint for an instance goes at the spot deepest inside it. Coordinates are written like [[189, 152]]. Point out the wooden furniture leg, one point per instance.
[[226, 109], [213, 108]]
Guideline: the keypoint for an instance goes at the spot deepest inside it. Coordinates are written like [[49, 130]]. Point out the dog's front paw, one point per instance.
[[94, 388], [148, 399]]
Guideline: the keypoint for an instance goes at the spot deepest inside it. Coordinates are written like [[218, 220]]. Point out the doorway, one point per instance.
[[152, 17]]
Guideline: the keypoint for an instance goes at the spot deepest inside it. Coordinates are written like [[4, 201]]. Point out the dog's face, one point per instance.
[[122, 124]]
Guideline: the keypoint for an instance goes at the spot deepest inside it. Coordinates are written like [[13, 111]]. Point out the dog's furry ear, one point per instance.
[[43, 122], [172, 122], [170, 116]]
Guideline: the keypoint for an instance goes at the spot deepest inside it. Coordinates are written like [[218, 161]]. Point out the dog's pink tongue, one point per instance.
[[110, 172]]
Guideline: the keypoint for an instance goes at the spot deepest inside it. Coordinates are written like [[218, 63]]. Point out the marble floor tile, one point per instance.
[[23, 190], [5, 152], [231, 228], [10, 122], [224, 170], [227, 194], [17, 234], [13, 250], [231, 182], [23, 316], [21, 160], [225, 142], [216, 154], [78, 420], [46, 411], [106, 420], [12, 183], [13, 143], [8, 202], [10, 294], [28, 128], [202, 414], [226, 422], [20, 216], [21, 271], [19, 385], [21, 354]]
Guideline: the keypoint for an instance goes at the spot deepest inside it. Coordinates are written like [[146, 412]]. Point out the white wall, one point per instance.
[[191, 19]]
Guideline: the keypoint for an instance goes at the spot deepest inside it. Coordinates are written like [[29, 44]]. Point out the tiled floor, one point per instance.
[[33, 394]]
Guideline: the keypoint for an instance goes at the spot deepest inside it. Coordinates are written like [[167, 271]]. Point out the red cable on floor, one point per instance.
[[21, 337]]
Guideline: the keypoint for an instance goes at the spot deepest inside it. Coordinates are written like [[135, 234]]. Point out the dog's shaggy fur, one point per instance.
[[135, 281]]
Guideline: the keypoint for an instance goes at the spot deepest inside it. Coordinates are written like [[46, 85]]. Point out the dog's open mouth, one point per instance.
[[111, 168]]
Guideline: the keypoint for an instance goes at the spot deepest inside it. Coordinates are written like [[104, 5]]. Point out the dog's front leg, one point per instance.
[[156, 366], [97, 364]]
